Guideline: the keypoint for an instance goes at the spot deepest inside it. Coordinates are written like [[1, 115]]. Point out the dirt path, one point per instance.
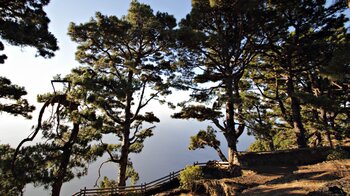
[[287, 180], [294, 180]]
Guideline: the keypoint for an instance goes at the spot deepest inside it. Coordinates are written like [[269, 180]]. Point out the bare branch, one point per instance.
[[141, 99], [112, 158], [263, 94], [55, 99], [218, 125], [240, 130], [144, 104], [99, 171], [136, 131], [136, 138], [114, 118]]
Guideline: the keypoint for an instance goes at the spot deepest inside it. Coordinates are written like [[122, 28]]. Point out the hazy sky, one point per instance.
[[166, 151]]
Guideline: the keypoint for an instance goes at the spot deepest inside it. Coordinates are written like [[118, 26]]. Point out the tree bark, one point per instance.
[[338, 136], [296, 114], [67, 152], [233, 158], [124, 156], [230, 133], [221, 155], [123, 163], [271, 145], [325, 125]]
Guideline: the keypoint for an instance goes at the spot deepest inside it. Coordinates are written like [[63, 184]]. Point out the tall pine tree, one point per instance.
[[294, 51], [124, 59], [217, 41], [67, 148]]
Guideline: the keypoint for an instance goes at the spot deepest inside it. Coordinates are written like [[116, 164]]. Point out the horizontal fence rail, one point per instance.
[[143, 188]]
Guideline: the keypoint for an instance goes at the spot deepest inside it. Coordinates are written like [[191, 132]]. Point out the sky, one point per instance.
[[165, 152]]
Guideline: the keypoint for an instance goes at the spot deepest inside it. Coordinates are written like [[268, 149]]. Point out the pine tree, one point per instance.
[[67, 147], [217, 41], [294, 51], [260, 120], [326, 85], [124, 59], [23, 23], [12, 101], [9, 185], [206, 138]]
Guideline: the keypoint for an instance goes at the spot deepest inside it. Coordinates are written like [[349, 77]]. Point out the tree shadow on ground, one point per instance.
[[272, 171], [298, 176], [273, 191]]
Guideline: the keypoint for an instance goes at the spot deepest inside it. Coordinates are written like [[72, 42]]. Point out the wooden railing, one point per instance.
[[140, 189]]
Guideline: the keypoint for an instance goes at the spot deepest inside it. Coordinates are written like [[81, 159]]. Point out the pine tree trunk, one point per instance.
[[233, 154], [67, 152], [271, 145], [230, 133], [338, 136], [296, 114], [123, 163], [221, 155], [325, 125], [318, 138], [124, 156], [56, 188]]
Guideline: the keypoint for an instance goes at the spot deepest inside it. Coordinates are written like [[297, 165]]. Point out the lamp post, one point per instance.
[[64, 84]]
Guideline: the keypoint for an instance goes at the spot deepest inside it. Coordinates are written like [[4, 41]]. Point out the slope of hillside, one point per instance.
[[326, 178]]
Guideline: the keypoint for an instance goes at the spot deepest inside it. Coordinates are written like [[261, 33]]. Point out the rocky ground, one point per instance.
[[326, 178]]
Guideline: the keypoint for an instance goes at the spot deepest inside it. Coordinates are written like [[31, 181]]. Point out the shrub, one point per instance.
[[337, 153], [107, 183], [189, 175], [258, 146], [282, 141]]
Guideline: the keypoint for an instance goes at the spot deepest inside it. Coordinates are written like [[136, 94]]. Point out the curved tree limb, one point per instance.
[[53, 100], [99, 171]]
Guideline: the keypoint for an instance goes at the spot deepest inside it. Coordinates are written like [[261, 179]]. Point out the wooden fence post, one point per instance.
[[84, 192], [143, 188]]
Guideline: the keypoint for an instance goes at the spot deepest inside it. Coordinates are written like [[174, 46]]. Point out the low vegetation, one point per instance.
[[278, 178], [189, 175], [338, 154]]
